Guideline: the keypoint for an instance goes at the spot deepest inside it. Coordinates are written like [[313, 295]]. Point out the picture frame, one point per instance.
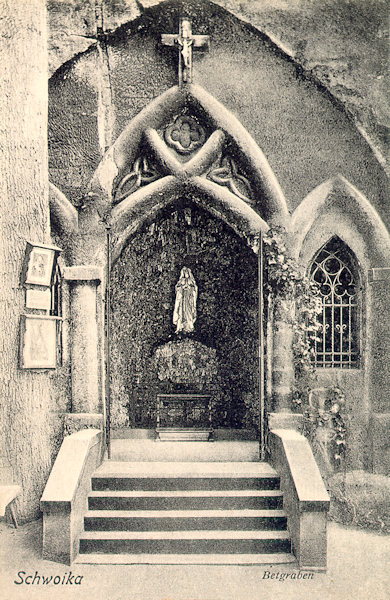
[[38, 342], [38, 299], [39, 264]]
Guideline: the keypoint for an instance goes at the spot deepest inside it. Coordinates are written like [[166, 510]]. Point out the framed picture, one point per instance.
[[38, 299], [38, 337], [38, 269]]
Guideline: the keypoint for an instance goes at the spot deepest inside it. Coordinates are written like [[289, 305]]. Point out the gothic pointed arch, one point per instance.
[[336, 207], [145, 203], [185, 140]]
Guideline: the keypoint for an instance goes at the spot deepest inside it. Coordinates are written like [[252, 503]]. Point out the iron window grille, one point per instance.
[[334, 270]]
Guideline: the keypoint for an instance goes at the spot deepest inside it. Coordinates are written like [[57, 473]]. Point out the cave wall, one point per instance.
[[343, 43], [32, 400]]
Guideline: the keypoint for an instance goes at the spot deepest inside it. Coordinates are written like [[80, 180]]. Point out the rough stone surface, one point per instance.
[[280, 106], [30, 424], [343, 43], [380, 345], [380, 427]]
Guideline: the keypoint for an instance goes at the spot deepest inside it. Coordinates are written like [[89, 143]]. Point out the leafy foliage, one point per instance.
[[285, 280], [328, 416]]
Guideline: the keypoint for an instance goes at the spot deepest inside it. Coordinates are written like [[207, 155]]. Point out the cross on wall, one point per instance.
[[185, 42]]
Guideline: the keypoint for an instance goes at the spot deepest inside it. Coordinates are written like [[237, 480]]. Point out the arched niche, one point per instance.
[[337, 208], [145, 203], [143, 280]]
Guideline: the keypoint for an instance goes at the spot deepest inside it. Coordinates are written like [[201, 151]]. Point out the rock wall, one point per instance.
[[143, 298], [30, 426], [280, 92], [343, 43], [305, 134]]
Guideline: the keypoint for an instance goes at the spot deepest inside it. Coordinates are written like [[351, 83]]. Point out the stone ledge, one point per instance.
[[74, 422], [64, 498], [306, 500], [379, 274], [279, 420], [310, 488], [90, 273], [68, 466]]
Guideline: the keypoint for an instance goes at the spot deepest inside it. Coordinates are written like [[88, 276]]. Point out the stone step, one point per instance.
[[113, 475], [181, 520], [185, 469], [184, 499], [185, 483], [186, 559], [184, 451], [185, 542]]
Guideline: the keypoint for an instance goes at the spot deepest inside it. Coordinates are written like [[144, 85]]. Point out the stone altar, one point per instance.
[[184, 417]]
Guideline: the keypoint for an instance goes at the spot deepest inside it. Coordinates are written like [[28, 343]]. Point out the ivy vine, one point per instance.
[[285, 280], [329, 417]]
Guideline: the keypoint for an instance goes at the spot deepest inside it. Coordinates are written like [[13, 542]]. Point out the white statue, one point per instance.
[[184, 314]]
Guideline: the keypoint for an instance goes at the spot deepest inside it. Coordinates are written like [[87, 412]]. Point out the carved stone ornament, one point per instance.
[[185, 135], [143, 172], [227, 175]]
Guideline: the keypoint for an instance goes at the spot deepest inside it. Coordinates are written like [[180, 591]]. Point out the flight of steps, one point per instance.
[[185, 513]]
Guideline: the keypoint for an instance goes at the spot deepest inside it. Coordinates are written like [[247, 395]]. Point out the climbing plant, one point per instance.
[[286, 281], [328, 417]]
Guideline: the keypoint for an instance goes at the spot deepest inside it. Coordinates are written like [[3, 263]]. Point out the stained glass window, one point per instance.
[[334, 270]]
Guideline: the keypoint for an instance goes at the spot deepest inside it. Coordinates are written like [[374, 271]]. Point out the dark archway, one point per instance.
[[142, 296]]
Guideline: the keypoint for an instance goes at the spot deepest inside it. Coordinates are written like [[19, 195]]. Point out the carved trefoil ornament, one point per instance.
[[144, 171], [227, 174], [185, 134]]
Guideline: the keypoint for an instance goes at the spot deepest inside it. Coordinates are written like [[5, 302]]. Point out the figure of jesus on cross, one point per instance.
[[185, 41]]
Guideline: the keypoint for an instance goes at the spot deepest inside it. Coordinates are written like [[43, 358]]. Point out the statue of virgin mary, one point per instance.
[[184, 314]]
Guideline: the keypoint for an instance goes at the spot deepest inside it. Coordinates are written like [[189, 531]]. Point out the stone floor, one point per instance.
[[358, 569]]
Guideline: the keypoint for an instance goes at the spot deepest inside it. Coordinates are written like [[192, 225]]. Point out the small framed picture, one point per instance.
[[39, 264], [37, 298], [38, 342]]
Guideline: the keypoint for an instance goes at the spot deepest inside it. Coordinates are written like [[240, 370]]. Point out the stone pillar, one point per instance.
[[378, 359], [283, 366], [87, 410]]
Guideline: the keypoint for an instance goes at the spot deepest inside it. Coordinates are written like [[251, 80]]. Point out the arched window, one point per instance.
[[334, 269]]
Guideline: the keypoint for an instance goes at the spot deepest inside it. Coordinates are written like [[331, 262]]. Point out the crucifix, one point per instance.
[[185, 42]]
